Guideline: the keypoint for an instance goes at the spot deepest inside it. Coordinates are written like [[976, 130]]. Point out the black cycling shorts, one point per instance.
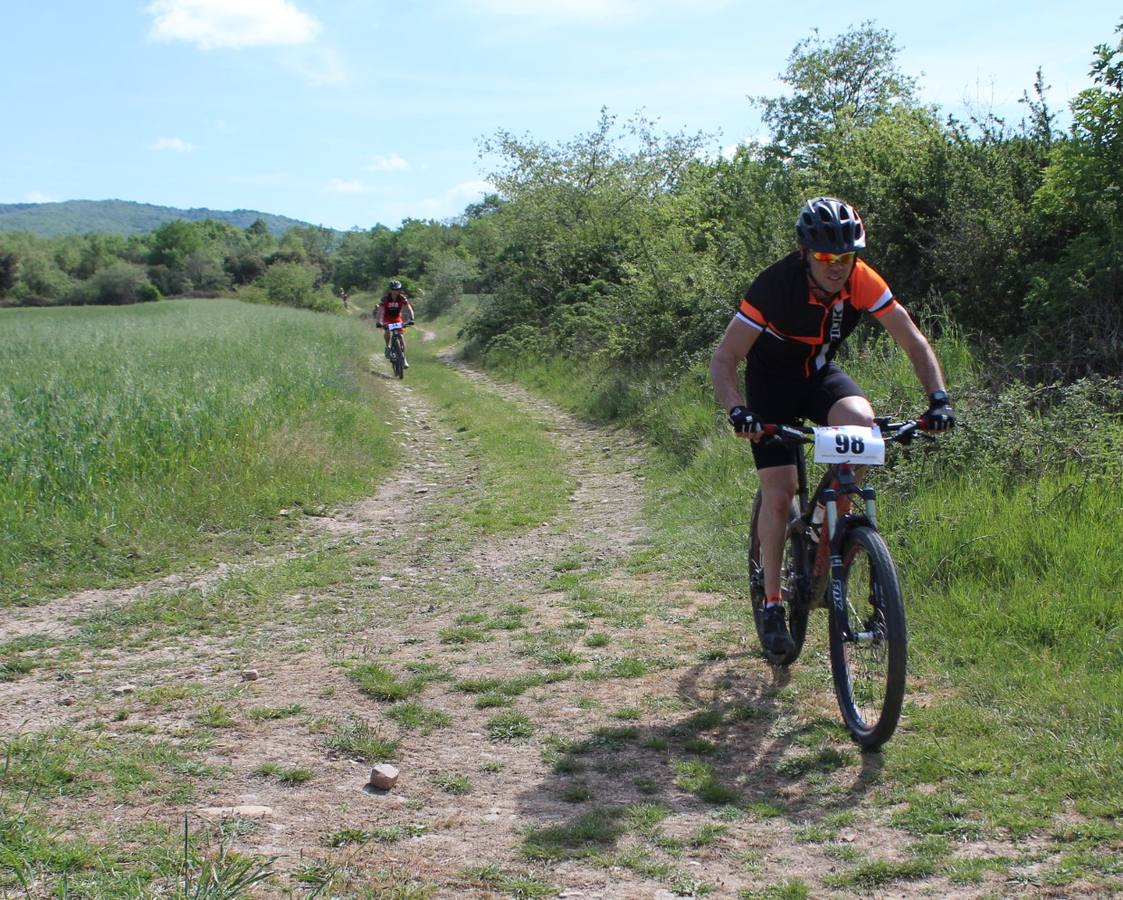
[[791, 401]]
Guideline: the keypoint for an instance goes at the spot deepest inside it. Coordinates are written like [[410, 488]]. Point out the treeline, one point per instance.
[[180, 258], [636, 243]]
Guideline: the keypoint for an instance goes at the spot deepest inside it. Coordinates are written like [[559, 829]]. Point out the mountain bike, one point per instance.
[[835, 558], [397, 347]]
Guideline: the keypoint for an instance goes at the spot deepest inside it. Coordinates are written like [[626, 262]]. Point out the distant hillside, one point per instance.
[[122, 217]]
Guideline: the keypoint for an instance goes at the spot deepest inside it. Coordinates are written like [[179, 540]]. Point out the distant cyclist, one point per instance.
[[389, 312], [790, 324]]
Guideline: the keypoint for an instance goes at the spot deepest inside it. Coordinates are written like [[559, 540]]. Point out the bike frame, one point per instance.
[[836, 486]]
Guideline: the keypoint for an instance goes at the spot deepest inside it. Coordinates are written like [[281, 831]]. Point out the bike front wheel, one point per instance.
[[398, 357], [869, 664], [794, 584]]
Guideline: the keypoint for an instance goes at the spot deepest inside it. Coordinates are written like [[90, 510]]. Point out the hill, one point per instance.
[[122, 217]]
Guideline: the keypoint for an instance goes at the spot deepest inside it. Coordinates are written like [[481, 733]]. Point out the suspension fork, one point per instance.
[[845, 484]]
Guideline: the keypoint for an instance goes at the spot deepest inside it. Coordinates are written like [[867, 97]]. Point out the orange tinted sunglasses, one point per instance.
[[831, 258]]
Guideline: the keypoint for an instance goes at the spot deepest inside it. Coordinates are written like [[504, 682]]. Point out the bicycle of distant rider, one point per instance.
[[844, 565], [397, 347]]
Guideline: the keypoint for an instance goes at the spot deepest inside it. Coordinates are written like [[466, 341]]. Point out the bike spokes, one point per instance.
[[868, 652]]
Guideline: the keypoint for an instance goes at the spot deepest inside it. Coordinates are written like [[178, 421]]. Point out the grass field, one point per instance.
[[131, 437]]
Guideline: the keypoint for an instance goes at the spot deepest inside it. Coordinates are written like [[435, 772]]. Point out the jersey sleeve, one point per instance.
[[870, 293], [753, 310]]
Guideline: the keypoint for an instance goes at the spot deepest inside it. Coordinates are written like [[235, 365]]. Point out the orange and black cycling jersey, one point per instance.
[[800, 334], [392, 307]]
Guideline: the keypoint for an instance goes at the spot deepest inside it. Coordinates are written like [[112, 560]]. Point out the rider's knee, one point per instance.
[[851, 411]]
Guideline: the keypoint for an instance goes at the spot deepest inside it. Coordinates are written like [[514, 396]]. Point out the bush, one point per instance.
[[121, 284], [294, 284]]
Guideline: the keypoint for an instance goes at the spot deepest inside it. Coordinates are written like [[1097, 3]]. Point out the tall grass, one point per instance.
[[129, 435]]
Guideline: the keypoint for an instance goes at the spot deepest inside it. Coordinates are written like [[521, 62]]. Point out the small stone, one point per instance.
[[67, 700], [122, 689], [383, 776], [250, 675]]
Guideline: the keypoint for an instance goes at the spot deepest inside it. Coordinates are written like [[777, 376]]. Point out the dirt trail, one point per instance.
[[657, 761]]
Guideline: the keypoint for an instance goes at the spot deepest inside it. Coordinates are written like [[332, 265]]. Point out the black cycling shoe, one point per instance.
[[774, 631]]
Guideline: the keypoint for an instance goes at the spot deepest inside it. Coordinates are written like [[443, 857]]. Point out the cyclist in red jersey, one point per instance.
[[389, 312], [788, 328]]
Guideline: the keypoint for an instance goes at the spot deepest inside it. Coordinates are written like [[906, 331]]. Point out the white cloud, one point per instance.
[[177, 145], [231, 23], [392, 162], [319, 65], [37, 197], [342, 186]]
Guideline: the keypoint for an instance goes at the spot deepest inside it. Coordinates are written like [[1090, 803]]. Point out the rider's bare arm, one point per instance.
[[734, 346], [903, 330]]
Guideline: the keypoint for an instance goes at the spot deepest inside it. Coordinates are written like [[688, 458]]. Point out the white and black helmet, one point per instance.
[[830, 225]]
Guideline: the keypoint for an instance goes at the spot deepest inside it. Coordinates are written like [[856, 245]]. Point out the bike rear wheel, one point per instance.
[[869, 671], [794, 585]]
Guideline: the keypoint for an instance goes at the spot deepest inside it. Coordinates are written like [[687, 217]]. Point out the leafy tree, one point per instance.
[[9, 268], [1075, 305], [450, 272], [118, 284], [174, 242], [294, 284], [849, 81], [1087, 169], [575, 224]]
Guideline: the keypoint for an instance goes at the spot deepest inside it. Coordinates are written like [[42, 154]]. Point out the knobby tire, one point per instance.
[[397, 356], [869, 676], [794, 585]]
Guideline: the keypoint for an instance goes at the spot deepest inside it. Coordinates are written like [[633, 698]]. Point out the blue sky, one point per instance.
[[347, 113]]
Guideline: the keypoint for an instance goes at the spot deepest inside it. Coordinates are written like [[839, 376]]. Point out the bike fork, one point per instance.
[[838, 585]]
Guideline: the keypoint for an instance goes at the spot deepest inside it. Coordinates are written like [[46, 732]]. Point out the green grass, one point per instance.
[[508, 884], [510, 725], [376, 681], [268, 713], [359, 740], [290, 775], [415, 717], [583, 836], [131, 437], [523, 479], [453, 783]]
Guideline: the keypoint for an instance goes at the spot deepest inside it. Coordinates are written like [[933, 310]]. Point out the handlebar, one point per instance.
[[403, 324], [901, 432]]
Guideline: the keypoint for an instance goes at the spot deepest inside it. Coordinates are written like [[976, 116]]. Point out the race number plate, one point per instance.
[[851, 444], [394, 326]]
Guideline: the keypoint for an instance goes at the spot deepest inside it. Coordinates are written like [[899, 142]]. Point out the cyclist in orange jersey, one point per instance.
[[789, 326]]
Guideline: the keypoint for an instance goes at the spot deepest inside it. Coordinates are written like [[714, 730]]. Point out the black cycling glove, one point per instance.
[[744, 422], [940, 415]]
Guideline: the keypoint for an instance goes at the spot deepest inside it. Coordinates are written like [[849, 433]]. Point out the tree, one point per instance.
[[9, 266], [848, 82], [119, 284]]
